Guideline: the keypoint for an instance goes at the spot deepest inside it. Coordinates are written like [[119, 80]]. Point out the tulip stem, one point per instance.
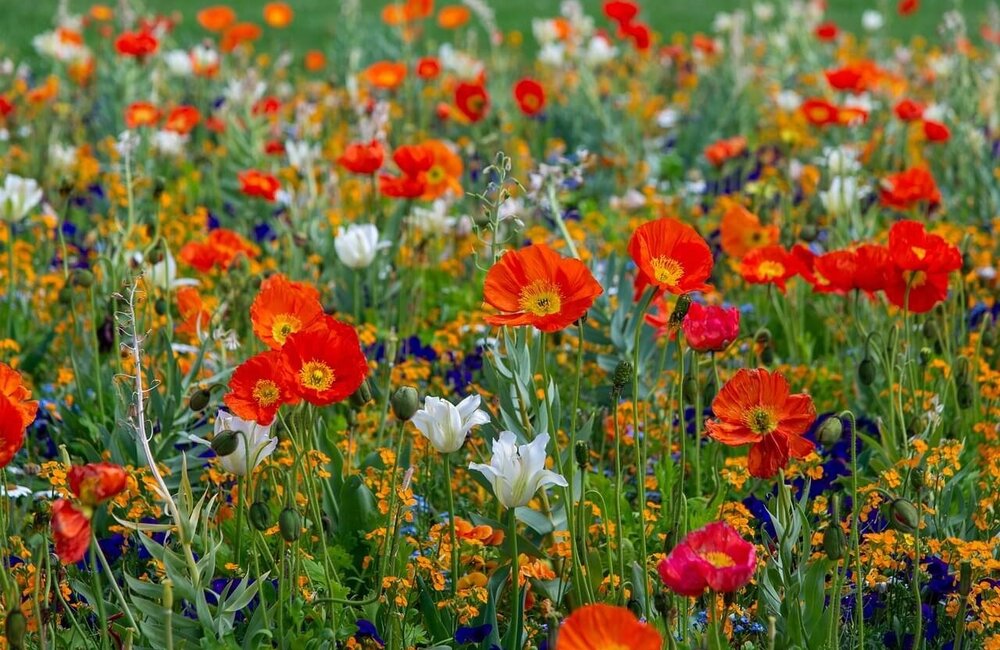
[[515, 584], [451, 524]]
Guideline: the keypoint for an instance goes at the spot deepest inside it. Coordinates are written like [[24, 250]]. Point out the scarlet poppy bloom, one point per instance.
[[670, 256], [238, 34], [530, 96], [182, 119], [909, 110], [639, 34], [195, 318], [220, 249], [216, 18], [603, 627], [835, 272], [96, 483], [909, 188], [769, 265], [536, 286], [936, 131], [413, 161], [741, 231], [314, 61], [907, 7], [324, 365], [282, 308], [444, 172], [820, 112], [387, 75], [362, 157], [268, 105], [419, 9], [622, 12], [139, 114], [11, 431], [453, 16], [855, 77], [6, 106], [711, 328], [428, 68], [472, 100], [755, 408], [851, 115], [921, 264], [12, 387], [719, 152], [70, 532], [827, 31], [714, 557], [260, 184], [258, 388], [278, 14], [136, 44], [872, 261]]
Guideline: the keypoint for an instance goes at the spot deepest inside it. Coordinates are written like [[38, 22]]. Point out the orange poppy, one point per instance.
[[820, 112], [444, 173], [221, 248], [194, 316], [136, 44], [413, 161], [238, 34], [260, 184], [324, 364], [101, 13], [12, 387], [216, 18], [769, 265], [536, 286], [719, 152], [453, 16], [598, 627], [670, 256], [95, 483], [756, 408], [387, 75], [315, 61], [278, 14], [283, 308], [70, 532], [741, 231], [140, 114], [258, 388], [394, 14], [419, 9], [182, 119], [428, 67]]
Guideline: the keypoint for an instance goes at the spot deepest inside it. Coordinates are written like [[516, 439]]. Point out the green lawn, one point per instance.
[[316, 20]]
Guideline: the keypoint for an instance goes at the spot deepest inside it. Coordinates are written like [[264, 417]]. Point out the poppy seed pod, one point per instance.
[[362, 395], [903, 516], [680, 310], [690, 388], [65, 295], [961, 370], [15, 628], [199, 399], [161, 306], [831, 431], [225, 443], [405, 403], [808, 233], [867, 371], [82, 278], [289, 524], [260, 516]]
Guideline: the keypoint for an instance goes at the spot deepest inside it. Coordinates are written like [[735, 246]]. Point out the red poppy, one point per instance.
[[139, 114], [428, 68], [907, 7], [268, 105], [182, 119], [820, 112], [827, 31], [711, 328], [282, 308], [755, 408], [96, 483], [714, 557], [855, 77], [70, 532], [720, 151], [671, 256], [530, 96], [910, 188], [834, 272], [258, 388], [872, 260], [136, 44], [472, 100], [324, 365], [260, 184], [536, 286], [413, 161], [362, 157], [936, 131], [622, 12], [6, 106], [741, 231], [909, 110], [639, 34], [599, 627], [238, 34], [220, 249], [769, 265], [11, 431], [921, 264], [12, 387]]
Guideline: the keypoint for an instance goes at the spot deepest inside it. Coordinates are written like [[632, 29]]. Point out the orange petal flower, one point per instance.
[[278, 14], [444, 172], [70, 532], [283, 308], [12, 387], [536, 286], [95, 483], [217, 18], [671, 256], [387, 75], [769, 265], [11, 431], [755, 408], [742, 232], [605, 627], [453, 16], [258, 388]]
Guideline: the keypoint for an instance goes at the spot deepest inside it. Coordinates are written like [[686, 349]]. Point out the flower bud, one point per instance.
[[690, 388], [621, 378], [926, 355], [582, 453], [260, 516], [918, 478], [15, 628], [199, 399], [964, 578], [82, 278], [289, 524], [65, 295], [834, 542], [961, 370], [362, 395], [989, 336], [964, 395], [930, 329], [680, 310], [161, 306], [225, 443], [831, 431], [405, 403], [767, 356], [903, 516], [867, 371], [808, 233], [635, 607]]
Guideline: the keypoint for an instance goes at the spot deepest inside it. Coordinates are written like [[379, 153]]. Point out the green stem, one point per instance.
[[859, 579], [451, 525], [515, 584]]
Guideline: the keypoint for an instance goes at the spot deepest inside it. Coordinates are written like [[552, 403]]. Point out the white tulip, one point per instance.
[[18, 197], [841, 160], [250, 436], [842, 195], [447, 425], [517, 472], [872, 20], [356, 247]]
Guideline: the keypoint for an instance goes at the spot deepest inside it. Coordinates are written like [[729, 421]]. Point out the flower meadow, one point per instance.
[[443, 335]]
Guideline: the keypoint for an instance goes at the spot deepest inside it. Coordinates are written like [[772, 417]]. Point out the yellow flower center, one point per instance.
[[915, 278], [761, 420], [770, 269], [316, 375], [265, 392], [921, 253], [667, 270], [284, 326], [541, 298], [718, 559], [436, 174]]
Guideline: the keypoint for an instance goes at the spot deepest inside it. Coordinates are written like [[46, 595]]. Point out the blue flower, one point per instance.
[[367, 632], [474, 634]]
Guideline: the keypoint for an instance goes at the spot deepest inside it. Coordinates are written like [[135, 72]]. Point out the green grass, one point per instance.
[[316, 20]]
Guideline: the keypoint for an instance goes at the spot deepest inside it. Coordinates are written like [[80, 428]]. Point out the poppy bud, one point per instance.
[[968, 263], [762, 337], [635, 607], [582, 452], [225, 443], [161, 306], [199, 399], [964, 395], [961, 370], [15, 628], [362, 395], [989, 337], [405, 403], [903, 516], [930, 329], [767, 356], [834, 542], [917, 477], [690, 388], [964, 578], [82, 278], [808, 233], [831, 431], [708, 393], [621, 378], [289, 524], [260, 516], [680, 310], [926, 355], [65, 295], [867, 371]]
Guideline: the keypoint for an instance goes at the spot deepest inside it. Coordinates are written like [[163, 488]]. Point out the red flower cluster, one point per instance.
[[219, 249], [260, 184], [92, 485], [720, 151], [625, 14], [820, 112], [909, 189], [136, 44], [429, 170]]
